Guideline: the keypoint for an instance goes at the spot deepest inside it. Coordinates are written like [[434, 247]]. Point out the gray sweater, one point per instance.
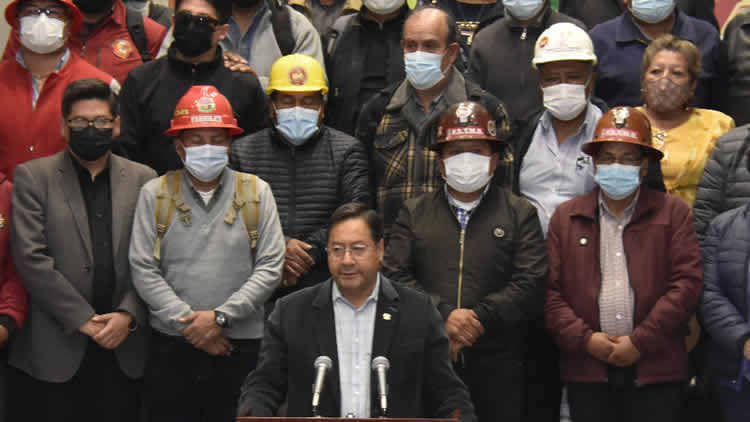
[[206, 265]]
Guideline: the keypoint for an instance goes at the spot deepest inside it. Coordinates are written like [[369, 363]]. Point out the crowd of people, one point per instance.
[[518, 210]]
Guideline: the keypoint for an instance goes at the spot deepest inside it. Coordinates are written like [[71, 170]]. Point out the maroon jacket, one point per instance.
[[666, 273], [14, 301]]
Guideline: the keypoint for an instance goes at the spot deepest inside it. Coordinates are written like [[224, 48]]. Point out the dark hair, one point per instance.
[[223, 8], [88, 89], [450, 20], [359, 210]]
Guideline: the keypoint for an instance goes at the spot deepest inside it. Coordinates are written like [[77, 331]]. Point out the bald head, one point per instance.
[[433, 23]]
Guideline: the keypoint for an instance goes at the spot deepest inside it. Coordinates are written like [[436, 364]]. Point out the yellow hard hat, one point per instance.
[[297, 73]]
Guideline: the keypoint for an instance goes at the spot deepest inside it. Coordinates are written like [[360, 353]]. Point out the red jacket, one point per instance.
[[666, 274], [14, 301], [27, 132], [110, 48]]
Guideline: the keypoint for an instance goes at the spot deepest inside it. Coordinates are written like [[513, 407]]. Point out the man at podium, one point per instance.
[[367, 346]]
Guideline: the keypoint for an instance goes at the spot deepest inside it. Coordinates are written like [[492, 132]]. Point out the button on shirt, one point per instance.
[[354, 332], [97, 197], [616, 298], [552, 173]]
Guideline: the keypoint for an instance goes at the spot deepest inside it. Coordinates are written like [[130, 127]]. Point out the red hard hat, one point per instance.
[[203, 106], [76, 20], [623, 124]]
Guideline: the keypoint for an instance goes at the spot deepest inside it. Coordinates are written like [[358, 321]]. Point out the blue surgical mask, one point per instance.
[[617, 180], [297, 124], [523, 9], [206, 162], [423, 69], [652, 11]]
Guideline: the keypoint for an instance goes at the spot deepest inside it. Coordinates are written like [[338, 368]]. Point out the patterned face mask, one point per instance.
[[663, 95]]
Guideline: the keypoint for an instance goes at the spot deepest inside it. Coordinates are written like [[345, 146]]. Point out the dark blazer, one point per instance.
[[51, 244], [421, 379]]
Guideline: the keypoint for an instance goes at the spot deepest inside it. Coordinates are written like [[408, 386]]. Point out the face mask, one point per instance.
[[191, 37], [246, 4], [383, 7], [206, 162], [91, 143], [523, 9], [662, 95], [93, 6], [565, 101], [617, 180], [423, 69], [297, 124], [467, 172], [138, 6], [652, 11], [42, 34]]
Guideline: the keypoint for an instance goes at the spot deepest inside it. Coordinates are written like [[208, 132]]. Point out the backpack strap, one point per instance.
[[281, 23], [168, 199], [246, 203], [137, 31]]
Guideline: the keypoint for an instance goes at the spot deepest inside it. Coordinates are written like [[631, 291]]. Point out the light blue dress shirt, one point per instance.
[[354, 331], [552, 173]]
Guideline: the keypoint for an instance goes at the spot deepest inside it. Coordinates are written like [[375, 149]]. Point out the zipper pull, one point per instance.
[[523, 34]]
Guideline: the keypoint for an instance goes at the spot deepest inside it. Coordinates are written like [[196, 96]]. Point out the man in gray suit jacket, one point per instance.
[[83, 347]]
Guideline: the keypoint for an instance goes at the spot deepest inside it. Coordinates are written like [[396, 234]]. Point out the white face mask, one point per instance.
[[565, 101], [423, 69], [467, 172], [383, 7], [206, 162], [42, 34], [298, 124]]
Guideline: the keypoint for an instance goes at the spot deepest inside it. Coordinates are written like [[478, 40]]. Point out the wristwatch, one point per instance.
[[221, 319]]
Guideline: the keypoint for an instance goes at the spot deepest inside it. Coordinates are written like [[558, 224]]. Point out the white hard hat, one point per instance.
[[563, 41]]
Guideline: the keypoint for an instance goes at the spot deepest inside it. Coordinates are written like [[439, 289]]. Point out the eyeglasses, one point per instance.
[[357, 251], [56, 12], [185, 18], [79, 123], [627, 160]]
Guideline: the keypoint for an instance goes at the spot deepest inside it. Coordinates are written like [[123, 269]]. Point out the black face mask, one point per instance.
[[246, 4], [93, 6], [193, 36], [90, 143]]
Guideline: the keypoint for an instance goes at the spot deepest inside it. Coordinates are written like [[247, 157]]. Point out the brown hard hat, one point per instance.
[[466, 121], [623, 124]]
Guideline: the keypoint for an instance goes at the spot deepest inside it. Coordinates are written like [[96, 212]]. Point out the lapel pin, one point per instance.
[[583, 241], [498, 232], [387, 316], [2, 221]]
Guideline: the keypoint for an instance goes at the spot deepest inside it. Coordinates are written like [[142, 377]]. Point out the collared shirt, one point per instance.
[[354, 331], [552, 173], [619, 45], [97, 196], [423, 114], [616, 298], [36, 82], [462, 214], [240, 43]]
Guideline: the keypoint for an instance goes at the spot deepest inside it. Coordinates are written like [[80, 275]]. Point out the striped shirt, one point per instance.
[[354, 332]]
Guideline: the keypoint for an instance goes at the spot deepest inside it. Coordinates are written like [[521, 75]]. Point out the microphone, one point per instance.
[[321, 365], [380, 365]]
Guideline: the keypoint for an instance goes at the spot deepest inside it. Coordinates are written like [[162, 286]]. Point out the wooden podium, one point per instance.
[[314, 419], [455, 418]]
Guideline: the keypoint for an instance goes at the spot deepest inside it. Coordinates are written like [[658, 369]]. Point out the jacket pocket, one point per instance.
[[392, 153]]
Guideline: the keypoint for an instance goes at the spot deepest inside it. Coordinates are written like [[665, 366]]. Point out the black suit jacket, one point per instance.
[[421, 379]]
